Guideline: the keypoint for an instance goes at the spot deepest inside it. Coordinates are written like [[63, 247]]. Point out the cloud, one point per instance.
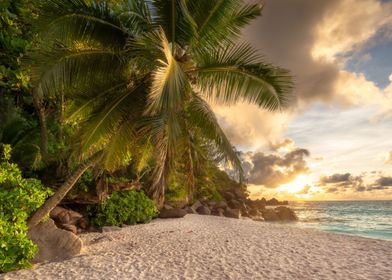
[[382, 183], [338, 183], [335, 178], [274, 169], [251, 127], [313, 39], [285, 144], [305, 190], [389, 158], [341, 183], [347, 25]]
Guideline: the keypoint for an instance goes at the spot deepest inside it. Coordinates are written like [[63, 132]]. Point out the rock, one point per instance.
[[54, 244], [258, 219], [93, 229], [203, 210], [221, 204], [71, 228], [179, 203], [285, 214], [239, 194], [234, 204], [196, 205], [218, 212], [189, 210], [110, 228], [273, 202], [254, 212], [228, 196], [83, 223], [232, 213], [211, 203], [245, 213], [172, 213], [270, 215], [65, 216], [258, 204], [166, 207]]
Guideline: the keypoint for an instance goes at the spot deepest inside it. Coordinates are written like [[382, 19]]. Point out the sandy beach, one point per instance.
[[208, 247]]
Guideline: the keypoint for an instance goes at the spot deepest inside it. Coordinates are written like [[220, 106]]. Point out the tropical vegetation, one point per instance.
[[126, 89], [19, 197], [127, 207]]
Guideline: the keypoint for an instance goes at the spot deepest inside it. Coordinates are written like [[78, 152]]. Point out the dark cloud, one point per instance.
[[384, 181], [341, 183], [347, 182], [286, 34], [381, 183], [335, 178], [273, 170]]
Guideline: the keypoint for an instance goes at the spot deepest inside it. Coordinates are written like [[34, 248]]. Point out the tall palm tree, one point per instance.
[[142, 70]]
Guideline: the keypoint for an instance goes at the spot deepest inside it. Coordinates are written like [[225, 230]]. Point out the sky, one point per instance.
[[334, 141]]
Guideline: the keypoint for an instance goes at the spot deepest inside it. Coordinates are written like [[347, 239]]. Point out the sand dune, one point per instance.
[[208, 247]]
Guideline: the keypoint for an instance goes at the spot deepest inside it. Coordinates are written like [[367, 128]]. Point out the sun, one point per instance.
[[297, 185]]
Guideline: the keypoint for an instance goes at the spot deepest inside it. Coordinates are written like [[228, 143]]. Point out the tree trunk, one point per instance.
[[54, 200], [191, 176], [37, 101]]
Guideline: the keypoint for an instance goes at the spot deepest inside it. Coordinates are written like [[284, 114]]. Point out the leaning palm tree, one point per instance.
[[147, 71]]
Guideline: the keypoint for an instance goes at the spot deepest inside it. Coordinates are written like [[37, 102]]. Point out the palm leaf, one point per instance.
[[175, 19], [104, 121], [82, 20], [168, 83], [230, 75], [65, 68], [220, 21], [202, 117]]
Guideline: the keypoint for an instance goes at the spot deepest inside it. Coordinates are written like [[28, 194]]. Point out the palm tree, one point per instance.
[[142, 70]]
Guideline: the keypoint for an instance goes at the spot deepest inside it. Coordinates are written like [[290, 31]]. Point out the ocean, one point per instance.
[[371, 219]]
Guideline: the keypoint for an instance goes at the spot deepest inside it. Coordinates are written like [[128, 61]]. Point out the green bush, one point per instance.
[[127, 207], [19, 198]]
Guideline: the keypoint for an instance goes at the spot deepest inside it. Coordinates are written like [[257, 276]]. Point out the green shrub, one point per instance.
[[127, 207], [16, 250], [19, 198]]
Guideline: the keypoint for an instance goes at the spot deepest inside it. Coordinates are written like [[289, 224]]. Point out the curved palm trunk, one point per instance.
[[54, 200], [42, 123], [191, 176]]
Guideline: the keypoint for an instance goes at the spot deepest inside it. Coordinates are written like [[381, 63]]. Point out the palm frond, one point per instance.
[[85, 101], [158, 133], [62, 67], [175, 19], [220, 21], [118, 150], [82, 20], [202, 117], [232, 74], [168, 83], [135, 17], [105, 120]]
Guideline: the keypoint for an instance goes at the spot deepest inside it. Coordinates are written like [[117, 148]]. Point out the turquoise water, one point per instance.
[[362, 218]]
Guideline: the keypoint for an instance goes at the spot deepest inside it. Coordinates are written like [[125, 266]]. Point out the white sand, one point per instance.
[[208, 247]]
